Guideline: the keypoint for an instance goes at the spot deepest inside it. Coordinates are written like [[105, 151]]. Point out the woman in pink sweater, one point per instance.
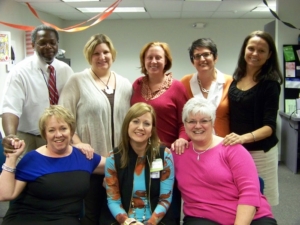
[[219, 184]]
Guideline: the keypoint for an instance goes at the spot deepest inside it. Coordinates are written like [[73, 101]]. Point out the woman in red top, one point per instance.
[[167, 96]]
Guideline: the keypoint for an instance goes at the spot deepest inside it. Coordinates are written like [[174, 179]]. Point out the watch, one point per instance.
[[129, 221]]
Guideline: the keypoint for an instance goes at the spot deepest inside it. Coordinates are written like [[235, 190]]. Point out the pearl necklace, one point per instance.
[[202, 88], [199, 153]]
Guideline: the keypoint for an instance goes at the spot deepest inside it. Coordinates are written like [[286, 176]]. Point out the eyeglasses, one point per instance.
[[195, 122], [205, 55]]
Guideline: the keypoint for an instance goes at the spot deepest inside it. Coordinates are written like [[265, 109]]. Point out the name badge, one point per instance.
[[155, 174], [157, 165]]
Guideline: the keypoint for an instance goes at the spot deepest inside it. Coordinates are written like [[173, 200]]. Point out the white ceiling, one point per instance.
[[157, 9]]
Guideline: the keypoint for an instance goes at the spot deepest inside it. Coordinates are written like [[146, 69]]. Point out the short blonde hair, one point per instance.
[[94, 41], [61, 114], [166, 49]]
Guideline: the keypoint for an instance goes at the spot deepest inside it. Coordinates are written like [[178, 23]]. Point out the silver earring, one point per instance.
[[149, 141]]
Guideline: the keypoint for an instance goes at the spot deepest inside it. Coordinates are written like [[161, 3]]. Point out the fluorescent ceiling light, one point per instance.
[[118, 9], [80, 0]]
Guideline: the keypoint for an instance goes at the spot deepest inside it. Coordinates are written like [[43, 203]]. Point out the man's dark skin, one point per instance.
[[46, 46]]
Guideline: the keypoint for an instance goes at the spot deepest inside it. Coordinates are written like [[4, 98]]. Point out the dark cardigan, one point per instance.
[[266, 103], [125, 177]]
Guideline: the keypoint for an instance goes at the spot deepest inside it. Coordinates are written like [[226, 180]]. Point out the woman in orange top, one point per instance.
[[208, 82]]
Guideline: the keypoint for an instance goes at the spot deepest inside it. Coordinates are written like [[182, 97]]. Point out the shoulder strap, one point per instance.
[[117, 158], [162, 152]]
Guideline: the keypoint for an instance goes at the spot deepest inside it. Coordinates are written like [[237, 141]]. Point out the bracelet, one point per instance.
[[8, 169], [253, 136]]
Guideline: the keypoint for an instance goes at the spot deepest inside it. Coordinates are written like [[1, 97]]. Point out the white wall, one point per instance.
[[129, 36]]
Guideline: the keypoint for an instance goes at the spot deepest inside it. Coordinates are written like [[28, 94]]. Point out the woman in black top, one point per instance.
[[253, 101]]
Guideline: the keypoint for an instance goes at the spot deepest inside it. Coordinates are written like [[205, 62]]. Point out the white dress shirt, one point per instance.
[[26, 93]]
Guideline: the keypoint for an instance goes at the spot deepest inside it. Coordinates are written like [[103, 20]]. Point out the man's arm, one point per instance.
[[10, 124]]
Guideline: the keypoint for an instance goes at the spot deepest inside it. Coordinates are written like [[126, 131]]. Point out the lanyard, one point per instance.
[[47, 83]]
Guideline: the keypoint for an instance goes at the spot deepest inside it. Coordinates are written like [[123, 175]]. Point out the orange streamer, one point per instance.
[[21, 27], [75, 28]]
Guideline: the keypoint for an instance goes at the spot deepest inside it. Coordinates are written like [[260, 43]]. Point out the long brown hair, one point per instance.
[[135, 111], [270, 70]]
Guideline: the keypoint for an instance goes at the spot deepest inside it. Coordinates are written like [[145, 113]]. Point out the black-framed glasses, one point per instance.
[[205, 55], [195, 122]]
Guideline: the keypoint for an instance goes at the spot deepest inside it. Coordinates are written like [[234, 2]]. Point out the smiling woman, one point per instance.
[[49, 183], [139, 173], [166, 95], [104, 96], [139, 131], [254, 102], [160, 90], [225, 176], [57, 128], [208, 82]]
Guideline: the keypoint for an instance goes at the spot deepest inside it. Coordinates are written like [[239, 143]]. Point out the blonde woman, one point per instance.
[[99, 98]]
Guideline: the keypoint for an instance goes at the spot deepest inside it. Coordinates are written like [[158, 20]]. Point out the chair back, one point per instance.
[[2, 156], [262, 185]]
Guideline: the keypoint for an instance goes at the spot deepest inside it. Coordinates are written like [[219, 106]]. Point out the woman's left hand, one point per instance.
[[85, 149], [179, 146], [233, 139]]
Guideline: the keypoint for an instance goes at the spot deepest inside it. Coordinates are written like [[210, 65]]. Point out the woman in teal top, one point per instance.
[[139, 173]]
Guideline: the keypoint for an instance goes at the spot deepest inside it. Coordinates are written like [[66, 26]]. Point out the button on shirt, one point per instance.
[[26, 93]]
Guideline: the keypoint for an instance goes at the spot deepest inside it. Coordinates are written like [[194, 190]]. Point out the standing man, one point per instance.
[[33, 85]]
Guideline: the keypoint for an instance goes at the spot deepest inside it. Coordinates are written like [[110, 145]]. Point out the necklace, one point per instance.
[[134, 209], [199, 153], [108, 89], [202, 88]]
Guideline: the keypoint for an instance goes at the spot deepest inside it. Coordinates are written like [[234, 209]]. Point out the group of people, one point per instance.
[[144, 135]]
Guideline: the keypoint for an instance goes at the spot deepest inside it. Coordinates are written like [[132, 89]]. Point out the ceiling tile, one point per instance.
[[134, 15], [196, 14], [165, 15], [155, 9], [261, 15], [200, 6], [229, 15], [53, 8], [71, 16], [163, 6], [238, 6]]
